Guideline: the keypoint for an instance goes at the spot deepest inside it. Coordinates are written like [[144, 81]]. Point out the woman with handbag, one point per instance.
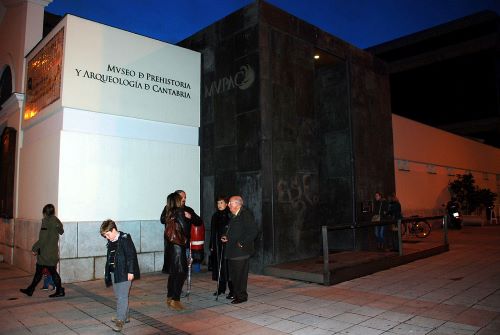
[[175, 236]]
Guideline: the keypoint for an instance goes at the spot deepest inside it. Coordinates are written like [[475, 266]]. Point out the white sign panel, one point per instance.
[[112, 71]]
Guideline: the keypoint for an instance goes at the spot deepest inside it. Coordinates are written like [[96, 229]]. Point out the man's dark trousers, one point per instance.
[[238, 274]]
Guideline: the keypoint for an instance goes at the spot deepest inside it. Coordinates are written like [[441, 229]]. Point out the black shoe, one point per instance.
[[27, 291], [230, 295], [59, 293], [238, 301]]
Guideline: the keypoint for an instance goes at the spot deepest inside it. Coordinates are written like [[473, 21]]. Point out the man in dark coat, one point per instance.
[[239, 246]]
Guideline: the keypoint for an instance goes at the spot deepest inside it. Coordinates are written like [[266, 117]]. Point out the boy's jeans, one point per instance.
[[122, 291], [47, 281]]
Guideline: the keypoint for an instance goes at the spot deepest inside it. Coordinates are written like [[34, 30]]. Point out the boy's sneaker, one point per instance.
[[45, 289], [114, 319], [118, 326]]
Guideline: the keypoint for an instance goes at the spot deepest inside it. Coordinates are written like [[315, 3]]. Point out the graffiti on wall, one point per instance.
[[298, 201]]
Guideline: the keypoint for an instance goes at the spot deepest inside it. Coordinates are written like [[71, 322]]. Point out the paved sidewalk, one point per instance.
[[457, 292]]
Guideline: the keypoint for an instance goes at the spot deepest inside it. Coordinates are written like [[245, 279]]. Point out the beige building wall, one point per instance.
[[426, 159], [21, 28]]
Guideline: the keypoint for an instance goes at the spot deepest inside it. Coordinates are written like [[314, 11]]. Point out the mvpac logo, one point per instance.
[[242, 79]]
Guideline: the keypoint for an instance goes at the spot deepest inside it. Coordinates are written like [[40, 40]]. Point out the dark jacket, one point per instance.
[[195, 219], [394, 210], [218, 227], [47, 247], [176, 254], [380, 207], [125, 260], [241, 235]]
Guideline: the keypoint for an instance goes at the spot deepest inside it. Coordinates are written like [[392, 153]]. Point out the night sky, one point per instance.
[[363, 23]]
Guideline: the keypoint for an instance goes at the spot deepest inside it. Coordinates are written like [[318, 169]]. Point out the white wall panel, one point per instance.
[[121, 178], [113, 125]]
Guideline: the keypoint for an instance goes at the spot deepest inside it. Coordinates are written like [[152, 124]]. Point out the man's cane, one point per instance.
[[220, 267], [189, 260]]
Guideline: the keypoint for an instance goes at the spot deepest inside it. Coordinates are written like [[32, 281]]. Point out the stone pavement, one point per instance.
[[457, 292]]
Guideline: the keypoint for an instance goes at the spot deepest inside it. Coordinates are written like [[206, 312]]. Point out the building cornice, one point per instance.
[[12, 3], [13, 103]]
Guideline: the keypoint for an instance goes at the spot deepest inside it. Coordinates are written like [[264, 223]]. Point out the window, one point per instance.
[[7, 167]]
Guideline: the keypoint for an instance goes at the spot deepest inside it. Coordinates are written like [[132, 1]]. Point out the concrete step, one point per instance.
[[348, 265], [472, 220]]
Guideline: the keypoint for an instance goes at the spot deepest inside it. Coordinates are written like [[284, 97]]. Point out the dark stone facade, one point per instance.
[[303, 141]]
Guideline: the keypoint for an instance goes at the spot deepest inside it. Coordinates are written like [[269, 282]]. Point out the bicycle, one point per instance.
[[418, 227]]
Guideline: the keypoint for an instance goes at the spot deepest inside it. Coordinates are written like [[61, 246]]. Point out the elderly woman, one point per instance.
[[219, 227], [46, 250]]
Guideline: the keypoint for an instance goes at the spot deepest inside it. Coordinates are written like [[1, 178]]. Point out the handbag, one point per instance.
[[376, 217], [174, 233]]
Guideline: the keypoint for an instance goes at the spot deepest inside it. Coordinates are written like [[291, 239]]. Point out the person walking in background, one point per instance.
[[175, 235], [218, 227], [239, 246], [46, 250], [394, 211], [379, 211], [121, 269]]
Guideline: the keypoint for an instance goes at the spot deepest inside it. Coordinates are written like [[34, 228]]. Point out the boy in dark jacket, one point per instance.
[[121, 269]]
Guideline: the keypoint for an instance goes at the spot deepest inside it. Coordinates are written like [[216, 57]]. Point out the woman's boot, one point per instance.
[[57, 282], [175, 304], [28, 291], [59, 293]]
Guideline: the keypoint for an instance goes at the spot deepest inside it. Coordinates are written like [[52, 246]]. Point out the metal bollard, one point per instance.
[[326, 257], [400, 239], [445, 228]]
